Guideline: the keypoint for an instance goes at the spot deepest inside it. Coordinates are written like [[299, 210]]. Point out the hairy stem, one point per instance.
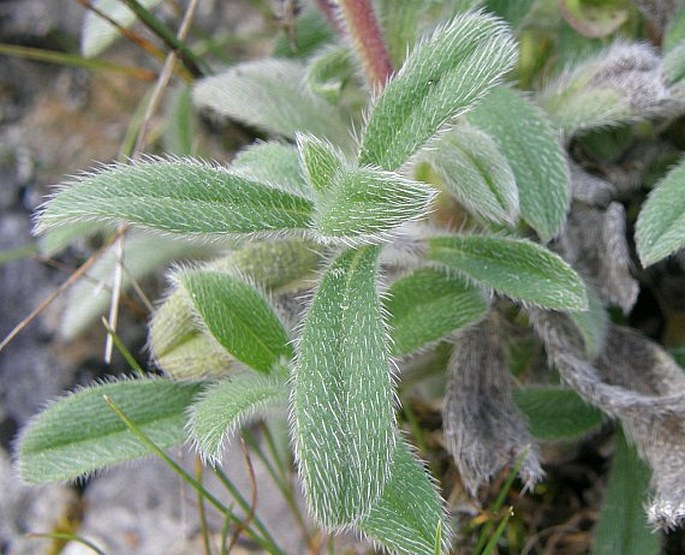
[[367, 37]]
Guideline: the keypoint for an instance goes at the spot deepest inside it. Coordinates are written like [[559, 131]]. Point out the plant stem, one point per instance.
[[365, 32]]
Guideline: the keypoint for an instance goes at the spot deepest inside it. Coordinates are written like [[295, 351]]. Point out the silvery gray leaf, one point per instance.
[[637, 382], [589, 189], [484, 430], [594, 243]]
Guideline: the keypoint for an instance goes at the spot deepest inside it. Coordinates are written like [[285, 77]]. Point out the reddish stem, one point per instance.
[[364, 30]]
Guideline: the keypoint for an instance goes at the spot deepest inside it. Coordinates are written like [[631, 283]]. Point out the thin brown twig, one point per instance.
[[253, 497], [50, 298]]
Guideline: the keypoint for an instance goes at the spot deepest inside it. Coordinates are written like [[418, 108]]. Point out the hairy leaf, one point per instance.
[[342, 402], [592, 323], [517, 268], [537, 159], [79, 434], [97, 33], [239, 318], [660, 227], [400, 21], [364, 204], [223, 408], [320, 161], [443, 77], [475, 171], [274, 163], [622, 528], [179, 196], [271, 94], [427, 305], [409, 516], [556, 413], [330, 71]]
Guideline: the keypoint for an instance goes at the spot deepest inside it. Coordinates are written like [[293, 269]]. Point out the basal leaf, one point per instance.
[[364, 204], [660, 227], [475, 171], [179, 196], [239, 318], [223, 408], [444, 76], [517, 268], [97, 33], [537, 159], [409, 516], [556, 413], [428, 304], [622, 528], [271, 94], [80, 433], [342, 401], [320, 161]]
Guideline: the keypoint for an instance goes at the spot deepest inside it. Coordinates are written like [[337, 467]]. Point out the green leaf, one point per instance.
[[79, 434], [342, 402], [239, 318], [179, 196], [595, 19], [592, 323], [330, 71], [513, 13], [225, 407], [97, 33], [675, 31], [660, 227], [556, 413], [275, 163], [427, 305], [535, 154], [445, 76], [180, 130], [311, 32], [475, 171], [320, 161], [271, 95], [400, 21], [622, 528], [365, 204], [516, 268], [409, 515]]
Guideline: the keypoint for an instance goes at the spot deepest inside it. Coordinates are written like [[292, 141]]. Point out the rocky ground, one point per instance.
[[56, 120]]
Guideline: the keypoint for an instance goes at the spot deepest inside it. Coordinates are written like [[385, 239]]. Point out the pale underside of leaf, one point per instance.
[[79, 434], [271, 94], [177, 196], [517, 268], [660, 227], [474, 170], [444, 76], [342, 401]]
